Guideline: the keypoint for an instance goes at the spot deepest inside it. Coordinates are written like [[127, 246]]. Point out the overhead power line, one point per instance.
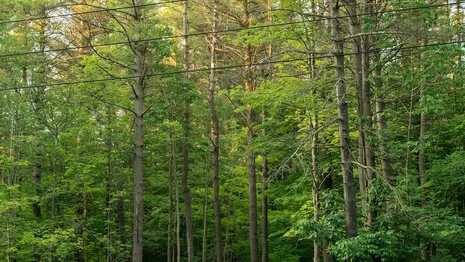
[[102, 9], [155, 39], [217, 32], [218, 68]]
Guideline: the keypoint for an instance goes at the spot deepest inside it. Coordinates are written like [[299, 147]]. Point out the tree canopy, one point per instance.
[[203, 130]]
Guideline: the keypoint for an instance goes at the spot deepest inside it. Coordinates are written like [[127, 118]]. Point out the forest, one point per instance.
[[232, 130]]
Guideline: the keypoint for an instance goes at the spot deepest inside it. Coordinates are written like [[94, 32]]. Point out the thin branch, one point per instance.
[[303, 143], [110, 103]]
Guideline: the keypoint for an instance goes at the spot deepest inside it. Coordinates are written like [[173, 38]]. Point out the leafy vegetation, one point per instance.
[[289, 130]]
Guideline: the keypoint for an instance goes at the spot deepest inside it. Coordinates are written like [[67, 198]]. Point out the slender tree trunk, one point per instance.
[[185, 145], [252, 187], [54, 192], [313, 129], [423, 126], [355, 30], [10, 183], [138, 89], [421, 153], [251, 167], [204, 217], [215, 136], [265, 255], [315, 175], [346, 165], [388, 172], [367, 120], [178, 226], [171, 170], [178, 214], [109, 206], [121, 214], [426, 250], [265, 211]]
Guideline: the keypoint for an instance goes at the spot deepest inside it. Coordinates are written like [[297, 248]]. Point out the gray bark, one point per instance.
[[346, 165], [138, 88]]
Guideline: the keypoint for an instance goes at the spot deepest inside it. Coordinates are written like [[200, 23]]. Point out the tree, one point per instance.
[[347, 171]]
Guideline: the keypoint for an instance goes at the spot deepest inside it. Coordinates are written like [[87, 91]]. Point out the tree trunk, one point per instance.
[[138, 88], [121, 215], [215, 136], [265, 255], [265, 211], [360, 86], [421, 153], [185, 146], [109, 205], [178, 214], [204, 217], [346, 165], [171, 170], [315, 173], [367, 120], [388, 172], [251, 167]]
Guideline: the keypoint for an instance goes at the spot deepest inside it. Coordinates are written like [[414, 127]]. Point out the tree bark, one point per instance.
[[265, 211], [109, 205], [138, 88], [265, 255], [185, 145], [204, 217], [251, 166], [178, 214], [215, 136], [346, 165], [121, 216], [171, 170]]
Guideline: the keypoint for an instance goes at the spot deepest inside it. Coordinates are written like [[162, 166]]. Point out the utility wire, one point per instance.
[[102, 9], [218, 68], [163, 38], [155, 39], [148, 75]]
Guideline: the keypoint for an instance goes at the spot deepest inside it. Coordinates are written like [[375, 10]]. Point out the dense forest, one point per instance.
[[232, 130]]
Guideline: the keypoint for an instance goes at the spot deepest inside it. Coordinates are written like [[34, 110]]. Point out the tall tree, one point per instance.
[[343, 114], [139, 96], [215, 133], [250, 86], [185, 145]]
